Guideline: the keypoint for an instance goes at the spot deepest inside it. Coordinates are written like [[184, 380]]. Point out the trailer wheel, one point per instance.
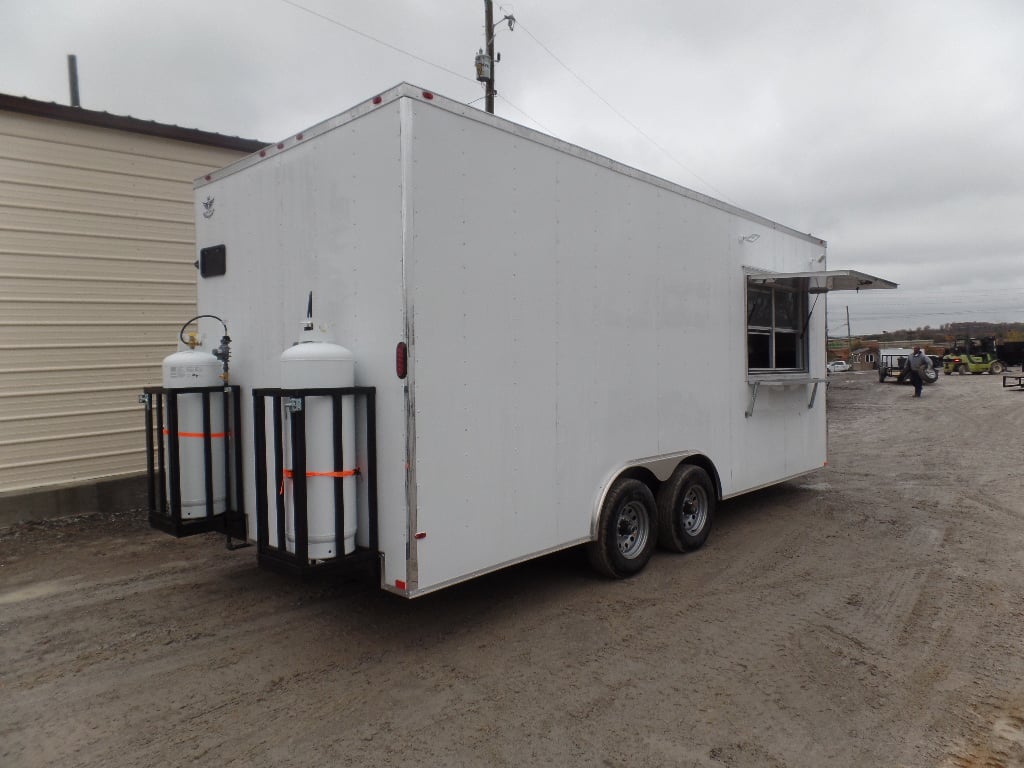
[[627, 530], [686, 508], [997, 367], [929, 376], [962, 369]]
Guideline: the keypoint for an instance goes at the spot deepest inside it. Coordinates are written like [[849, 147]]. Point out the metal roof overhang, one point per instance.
[[826, 281]]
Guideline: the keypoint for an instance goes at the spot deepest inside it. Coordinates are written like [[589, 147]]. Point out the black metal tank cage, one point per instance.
[[297, 562], [163, 466]]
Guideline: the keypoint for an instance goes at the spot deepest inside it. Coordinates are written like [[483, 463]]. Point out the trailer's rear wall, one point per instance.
[[324, 216]]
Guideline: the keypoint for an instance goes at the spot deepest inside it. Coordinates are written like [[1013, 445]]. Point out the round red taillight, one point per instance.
[[402, 360]]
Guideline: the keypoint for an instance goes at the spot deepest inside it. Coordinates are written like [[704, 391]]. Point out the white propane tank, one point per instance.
[[311, 364], [193, 367]]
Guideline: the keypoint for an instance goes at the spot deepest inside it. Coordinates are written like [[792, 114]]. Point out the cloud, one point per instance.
[[890, 129]]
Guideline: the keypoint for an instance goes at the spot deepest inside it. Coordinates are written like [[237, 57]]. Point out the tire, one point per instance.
[[929, 376], [962, 369], [686, 509], [997, 367], [882, 371], [627, 531]]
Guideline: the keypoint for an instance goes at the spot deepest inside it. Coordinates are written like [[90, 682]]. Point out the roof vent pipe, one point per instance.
[[73, 79]]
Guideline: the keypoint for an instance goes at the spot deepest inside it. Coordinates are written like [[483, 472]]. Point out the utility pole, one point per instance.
[[849, 340], [485, 59], [489, 32]]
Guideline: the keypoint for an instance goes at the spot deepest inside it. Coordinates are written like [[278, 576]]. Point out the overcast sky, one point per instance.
[[893, 129]]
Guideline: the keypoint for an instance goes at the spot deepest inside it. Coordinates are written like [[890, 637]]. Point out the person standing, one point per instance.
[[917, 365]]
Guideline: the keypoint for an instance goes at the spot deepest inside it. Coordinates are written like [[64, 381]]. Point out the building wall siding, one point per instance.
[[96, 278]]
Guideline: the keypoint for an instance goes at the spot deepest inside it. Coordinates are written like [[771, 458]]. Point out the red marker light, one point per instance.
[[298, 136], [400, 584], [420, 535], [428, 95], [401, 360], [209, 177], [280, 145], [263, 153], [377, 99]]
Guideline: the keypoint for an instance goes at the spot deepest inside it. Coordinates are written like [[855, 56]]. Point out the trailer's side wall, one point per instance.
[[322, 216], [570, 318]]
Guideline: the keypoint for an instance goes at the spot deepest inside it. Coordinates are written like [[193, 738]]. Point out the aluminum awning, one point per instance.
[[825, 281]]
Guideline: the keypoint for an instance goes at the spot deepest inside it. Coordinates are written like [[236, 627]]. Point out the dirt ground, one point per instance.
[[870, 614]]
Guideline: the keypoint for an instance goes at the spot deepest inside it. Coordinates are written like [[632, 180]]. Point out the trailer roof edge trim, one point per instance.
[[421, 95], [827, 281]]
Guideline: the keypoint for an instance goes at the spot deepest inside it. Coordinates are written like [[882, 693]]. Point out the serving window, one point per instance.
[[776, 342]]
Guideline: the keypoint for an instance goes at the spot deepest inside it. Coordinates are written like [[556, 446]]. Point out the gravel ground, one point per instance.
[[869, 614]]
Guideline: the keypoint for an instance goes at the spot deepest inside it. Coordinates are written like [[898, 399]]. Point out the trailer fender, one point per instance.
[[653, 471]]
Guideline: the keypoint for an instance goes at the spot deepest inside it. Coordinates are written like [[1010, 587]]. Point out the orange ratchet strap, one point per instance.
[[197, 434], [287, 474]]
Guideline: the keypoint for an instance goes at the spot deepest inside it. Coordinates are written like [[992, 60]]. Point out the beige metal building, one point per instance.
[[96, 278]]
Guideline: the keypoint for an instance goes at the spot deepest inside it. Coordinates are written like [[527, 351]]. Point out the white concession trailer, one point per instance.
[[513, 346]]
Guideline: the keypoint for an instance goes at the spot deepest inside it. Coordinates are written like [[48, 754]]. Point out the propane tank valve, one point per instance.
[[223, 353]]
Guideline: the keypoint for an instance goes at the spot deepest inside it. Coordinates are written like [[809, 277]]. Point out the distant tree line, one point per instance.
[[943, 335]]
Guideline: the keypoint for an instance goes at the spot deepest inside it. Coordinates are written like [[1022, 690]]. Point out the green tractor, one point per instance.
[[972, 356]]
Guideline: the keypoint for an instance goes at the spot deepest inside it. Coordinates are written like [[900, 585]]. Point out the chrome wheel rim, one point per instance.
[[632, 529], [695, 510]]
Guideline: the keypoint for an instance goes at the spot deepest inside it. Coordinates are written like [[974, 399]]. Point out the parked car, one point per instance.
[[838, 366]]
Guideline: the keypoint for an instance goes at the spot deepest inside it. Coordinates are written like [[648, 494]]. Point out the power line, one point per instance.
[[551, 53], [621, 116], [520, 111], [395, 48], [404, 52]]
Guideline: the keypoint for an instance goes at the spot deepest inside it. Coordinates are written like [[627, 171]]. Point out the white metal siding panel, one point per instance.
[[96, 278], [86, 201], [34, 176]]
